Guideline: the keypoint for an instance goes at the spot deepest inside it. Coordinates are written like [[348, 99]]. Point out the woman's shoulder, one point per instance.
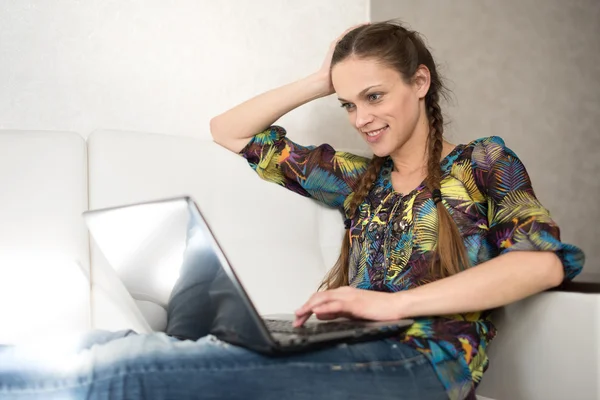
[[486, 151], [485, 143]]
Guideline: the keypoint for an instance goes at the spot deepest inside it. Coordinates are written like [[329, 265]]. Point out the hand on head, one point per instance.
[[325, 70]]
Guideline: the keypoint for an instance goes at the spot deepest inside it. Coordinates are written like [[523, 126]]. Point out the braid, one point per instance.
[[435, 140], [338, 275], [366, 183], [451, 256]]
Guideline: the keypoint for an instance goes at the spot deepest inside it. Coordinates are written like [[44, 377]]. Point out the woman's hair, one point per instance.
[[403, 50]]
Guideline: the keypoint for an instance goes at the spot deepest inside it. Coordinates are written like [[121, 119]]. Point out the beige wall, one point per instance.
[[528, 71]]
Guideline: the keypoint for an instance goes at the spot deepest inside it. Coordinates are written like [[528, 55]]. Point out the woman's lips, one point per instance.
[[374, 135]]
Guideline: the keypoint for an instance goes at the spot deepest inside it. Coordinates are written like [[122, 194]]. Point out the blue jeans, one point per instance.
[[124, 365]]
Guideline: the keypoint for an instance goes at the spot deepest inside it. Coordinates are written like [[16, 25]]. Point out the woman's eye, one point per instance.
[[374, 96], [347, 106]]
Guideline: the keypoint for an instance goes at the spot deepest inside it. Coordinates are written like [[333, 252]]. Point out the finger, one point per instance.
[[315, 300], [324, 297], [333, 307], [302, 317], [299, 321], [346, 32], [327, 317]]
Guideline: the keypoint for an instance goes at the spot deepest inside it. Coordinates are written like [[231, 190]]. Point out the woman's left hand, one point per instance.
[[350, 302]]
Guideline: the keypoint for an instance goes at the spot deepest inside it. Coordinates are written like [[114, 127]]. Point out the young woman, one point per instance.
[[422, 213], [437, 232]]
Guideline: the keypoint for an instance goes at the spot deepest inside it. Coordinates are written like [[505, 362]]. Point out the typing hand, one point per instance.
[[350, 302]]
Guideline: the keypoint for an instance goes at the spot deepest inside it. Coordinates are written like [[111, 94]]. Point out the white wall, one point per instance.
[[163, 66], [528, 71]]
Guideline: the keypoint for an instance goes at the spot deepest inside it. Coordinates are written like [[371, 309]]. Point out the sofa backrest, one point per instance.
[[280, 243], [44, 258]]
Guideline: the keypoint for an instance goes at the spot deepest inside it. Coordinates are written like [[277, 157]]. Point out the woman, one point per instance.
[[432, 234], [420, 210]]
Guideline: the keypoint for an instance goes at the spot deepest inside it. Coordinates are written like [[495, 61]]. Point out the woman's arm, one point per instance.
[[235, 127], [494, 283], [533, 257]]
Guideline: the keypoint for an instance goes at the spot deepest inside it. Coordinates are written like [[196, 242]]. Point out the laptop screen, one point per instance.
[[164, 252]]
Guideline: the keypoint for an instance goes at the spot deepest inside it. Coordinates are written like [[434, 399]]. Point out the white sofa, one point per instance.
[[53, 281]]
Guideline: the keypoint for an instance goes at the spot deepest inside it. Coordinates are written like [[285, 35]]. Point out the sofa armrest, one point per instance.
[[547, 348], [580, 287]]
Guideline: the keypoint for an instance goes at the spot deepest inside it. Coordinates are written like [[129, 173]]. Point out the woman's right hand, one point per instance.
[[234, 128], [324, 73]]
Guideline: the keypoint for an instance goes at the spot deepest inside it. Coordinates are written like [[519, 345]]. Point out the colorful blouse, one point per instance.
[[486, 190]]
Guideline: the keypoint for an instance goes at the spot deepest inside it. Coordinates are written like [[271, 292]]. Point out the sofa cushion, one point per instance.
[[129, 167], [44, 259], [113, 308]]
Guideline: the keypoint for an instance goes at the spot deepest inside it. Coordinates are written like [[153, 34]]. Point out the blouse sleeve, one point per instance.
[[318, 172], [516, 218]]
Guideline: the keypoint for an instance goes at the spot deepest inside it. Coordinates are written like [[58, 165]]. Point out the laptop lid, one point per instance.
[[164, 252]]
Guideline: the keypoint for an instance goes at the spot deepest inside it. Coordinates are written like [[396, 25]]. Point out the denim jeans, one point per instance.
[[124, 365]]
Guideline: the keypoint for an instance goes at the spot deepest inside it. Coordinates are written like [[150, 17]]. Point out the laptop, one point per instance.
[[165, 252]]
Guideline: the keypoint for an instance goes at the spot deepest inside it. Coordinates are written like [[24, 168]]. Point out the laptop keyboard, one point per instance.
[[283, 326]]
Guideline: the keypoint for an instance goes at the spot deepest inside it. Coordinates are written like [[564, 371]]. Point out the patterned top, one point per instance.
[[486, 190]]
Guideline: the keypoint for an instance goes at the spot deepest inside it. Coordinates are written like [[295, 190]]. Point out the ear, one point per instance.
[[421, 81]]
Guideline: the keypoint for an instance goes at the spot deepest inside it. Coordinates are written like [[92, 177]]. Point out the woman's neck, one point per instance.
[[412, 156]]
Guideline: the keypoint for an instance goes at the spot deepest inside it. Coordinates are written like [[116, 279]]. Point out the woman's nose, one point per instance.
[[363, 118]]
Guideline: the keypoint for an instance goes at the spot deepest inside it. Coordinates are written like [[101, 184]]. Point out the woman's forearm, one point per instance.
[[497, 282], [235, 127]]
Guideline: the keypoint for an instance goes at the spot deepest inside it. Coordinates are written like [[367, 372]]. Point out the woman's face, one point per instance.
[[380, 104]]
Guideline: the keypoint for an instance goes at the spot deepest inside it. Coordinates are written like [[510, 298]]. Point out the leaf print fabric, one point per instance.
[[486, 190]]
